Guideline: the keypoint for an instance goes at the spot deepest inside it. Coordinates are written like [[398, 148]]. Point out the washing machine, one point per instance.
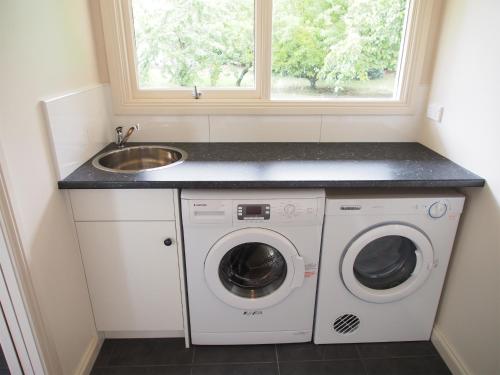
[[251, 264], [383, 263]]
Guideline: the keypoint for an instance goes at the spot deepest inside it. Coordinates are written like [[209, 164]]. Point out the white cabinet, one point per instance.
[[133, 276], [122, 204]]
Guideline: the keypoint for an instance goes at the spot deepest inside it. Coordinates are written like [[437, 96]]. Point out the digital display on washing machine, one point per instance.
[[254, 212]]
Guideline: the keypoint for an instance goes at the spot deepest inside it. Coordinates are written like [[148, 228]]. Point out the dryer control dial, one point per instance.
[[438, 209], [289, 210]]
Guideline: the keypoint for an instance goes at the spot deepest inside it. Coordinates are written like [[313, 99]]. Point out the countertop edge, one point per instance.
[[68, 185]]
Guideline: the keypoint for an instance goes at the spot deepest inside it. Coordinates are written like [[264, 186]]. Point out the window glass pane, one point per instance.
[[336, 48], [182, 43]]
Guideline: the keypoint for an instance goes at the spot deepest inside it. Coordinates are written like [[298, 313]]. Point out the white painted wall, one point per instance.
[[467, 82], [46, 49]]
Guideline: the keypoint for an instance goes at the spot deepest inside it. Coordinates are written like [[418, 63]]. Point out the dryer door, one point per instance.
[[387, 263], [253, 268]]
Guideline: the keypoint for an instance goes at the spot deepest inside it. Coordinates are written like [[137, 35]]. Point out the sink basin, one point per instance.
[[139, 159]]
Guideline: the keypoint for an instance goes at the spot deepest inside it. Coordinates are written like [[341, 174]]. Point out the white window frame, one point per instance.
[[129, 99]]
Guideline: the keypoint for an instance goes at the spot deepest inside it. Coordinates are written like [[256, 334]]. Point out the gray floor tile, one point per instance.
[[104, 354], [241, 369], [396, 349], [234, 354], [340, 367], [406, 366], [312, 352], [143, 370], [148, 352], [3, 362]]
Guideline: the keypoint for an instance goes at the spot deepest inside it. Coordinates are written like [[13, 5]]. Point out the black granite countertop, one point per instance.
[[287, 165]]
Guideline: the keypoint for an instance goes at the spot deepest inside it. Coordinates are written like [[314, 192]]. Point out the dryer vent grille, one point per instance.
[[345, 324]]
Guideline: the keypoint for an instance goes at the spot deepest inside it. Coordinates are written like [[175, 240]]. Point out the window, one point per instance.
[[263, 56], [340, 48], [208, 43]]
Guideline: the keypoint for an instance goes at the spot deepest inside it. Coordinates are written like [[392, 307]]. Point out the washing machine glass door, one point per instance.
[[253, 268], [387, 263]]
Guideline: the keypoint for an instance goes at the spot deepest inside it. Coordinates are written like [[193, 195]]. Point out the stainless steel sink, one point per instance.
[[139, 159]]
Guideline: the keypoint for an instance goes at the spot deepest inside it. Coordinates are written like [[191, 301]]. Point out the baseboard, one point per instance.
[[90, 355], [448, 353], [141, 334]]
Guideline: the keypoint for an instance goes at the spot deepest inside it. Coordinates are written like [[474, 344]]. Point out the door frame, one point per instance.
[[23, 317], [6, 341]]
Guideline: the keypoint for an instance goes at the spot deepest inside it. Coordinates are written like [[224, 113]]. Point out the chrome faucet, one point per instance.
[[120, 138]]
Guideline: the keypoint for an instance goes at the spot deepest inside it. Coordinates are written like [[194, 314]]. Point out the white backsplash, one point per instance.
[[265, 128], [82, 123], [166, 128], [368, 129], [79, 126]]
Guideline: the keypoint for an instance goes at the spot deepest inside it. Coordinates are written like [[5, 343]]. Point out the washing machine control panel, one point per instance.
[[254, 211], [303, 210], [277, 211]]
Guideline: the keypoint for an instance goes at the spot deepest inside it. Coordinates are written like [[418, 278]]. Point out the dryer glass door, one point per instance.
[[253, 268], [387, 263]]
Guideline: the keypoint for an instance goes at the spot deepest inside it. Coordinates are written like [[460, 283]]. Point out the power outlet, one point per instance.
[[435, 112]]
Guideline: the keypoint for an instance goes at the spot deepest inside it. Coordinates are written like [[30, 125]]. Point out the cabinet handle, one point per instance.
[[168, 242]]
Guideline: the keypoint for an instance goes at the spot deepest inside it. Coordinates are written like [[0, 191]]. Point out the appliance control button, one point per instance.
[[289, 210], [438, 209]]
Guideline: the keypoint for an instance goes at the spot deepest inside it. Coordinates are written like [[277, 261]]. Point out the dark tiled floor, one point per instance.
[[168, 356], [4, 368]]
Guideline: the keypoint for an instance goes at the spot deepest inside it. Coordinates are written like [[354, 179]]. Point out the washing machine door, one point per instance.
[[253, 268], [387, 263]]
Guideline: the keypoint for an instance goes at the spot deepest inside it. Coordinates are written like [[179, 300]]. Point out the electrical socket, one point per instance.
[[435, 112]]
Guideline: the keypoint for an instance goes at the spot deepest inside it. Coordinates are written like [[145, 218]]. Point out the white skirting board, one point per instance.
[[141, 334], [90, 355], [448, 353]]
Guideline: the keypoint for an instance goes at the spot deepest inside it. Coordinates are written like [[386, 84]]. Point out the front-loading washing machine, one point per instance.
[[383, 263], [251, 264]]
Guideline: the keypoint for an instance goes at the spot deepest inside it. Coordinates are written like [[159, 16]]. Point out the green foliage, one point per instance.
[[211, 42], [300, 43], [188, 42], [371, 43]]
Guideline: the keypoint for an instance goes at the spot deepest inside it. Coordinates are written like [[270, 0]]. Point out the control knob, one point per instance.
[[289, 210], [438, 209]]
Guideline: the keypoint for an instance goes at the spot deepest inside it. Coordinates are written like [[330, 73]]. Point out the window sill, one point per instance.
[[262, 107]]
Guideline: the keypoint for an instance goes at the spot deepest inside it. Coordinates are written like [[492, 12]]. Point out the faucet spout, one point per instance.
[[120, 138]]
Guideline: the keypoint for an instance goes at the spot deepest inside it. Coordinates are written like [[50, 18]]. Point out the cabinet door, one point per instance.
[[133, 277]]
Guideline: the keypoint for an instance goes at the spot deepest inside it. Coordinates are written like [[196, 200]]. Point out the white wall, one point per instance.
[[46, 49], [467, 82]]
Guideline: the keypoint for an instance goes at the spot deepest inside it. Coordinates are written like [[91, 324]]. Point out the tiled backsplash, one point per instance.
[[82, 123], [265, 128], [166, 128], [79, 126]]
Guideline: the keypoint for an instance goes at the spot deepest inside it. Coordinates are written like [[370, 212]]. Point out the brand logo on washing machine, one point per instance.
[[253, 313]]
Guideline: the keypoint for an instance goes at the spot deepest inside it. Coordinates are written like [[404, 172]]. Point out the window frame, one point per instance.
[[129, 99]]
